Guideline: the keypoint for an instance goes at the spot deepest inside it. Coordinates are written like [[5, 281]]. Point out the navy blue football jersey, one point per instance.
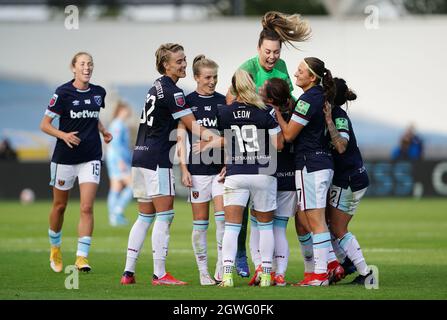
[[348, 166], [205, 109], [311, 144], [165, 105], [247, 131], [285, 172], [77, 110]]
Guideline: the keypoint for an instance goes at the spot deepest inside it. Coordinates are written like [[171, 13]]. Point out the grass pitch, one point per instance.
[[406, 239]]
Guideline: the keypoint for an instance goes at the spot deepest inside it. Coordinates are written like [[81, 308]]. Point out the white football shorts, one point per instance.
[[287, 204], [63, 176], [148, 184], [344, 199], [260, 188], [205, 188], [312, 188]]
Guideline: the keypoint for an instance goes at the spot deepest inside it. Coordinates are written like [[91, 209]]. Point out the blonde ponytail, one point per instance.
[[245, 89], [200, 62]]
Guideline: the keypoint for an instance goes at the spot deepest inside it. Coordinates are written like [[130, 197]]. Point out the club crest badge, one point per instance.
[[179, 99], [195, 194], [98, 100], [60, 182]]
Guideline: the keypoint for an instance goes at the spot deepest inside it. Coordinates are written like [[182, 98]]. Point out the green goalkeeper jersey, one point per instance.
[[259, 74]]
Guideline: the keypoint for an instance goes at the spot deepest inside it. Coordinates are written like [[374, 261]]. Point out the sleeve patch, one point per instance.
[[302, 107], [179, 99], [342, 124], [53, 100]]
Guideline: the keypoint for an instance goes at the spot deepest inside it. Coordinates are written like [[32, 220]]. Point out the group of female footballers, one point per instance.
[[257, 150]]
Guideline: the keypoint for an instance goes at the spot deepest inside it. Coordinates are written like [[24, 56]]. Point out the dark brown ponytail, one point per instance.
[[281, 27], [344, 93], [278, 91]]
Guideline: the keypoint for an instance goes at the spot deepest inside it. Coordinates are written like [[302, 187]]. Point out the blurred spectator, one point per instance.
[[6, 151], [411, 146], [119, 163]]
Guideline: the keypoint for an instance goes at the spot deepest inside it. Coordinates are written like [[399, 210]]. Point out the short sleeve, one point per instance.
[[103, 105], [342, 125], [303, 112], [55, 106], [177, 105]]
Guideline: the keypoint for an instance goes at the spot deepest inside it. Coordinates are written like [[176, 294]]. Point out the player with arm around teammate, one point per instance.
[[77, 154], [277, 28], [350, 181], [248, 130], [276, 93], [313, 160], [152, 176], [203, 178]]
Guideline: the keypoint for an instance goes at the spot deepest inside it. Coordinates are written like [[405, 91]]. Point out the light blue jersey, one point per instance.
[[118, 149]]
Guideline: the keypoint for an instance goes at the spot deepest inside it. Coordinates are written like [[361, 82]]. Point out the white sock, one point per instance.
[[352, 248], [282, 252], [199, 245], [254, 242], [219, 217], [229, 245], [266, 245], [160, 241], [339, 252], [307, 251], [322, 242], [137, 236], [331, 256]]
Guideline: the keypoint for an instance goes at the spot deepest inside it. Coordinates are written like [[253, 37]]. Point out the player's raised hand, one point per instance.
[[327, 109], [107, 136], [71, 139]]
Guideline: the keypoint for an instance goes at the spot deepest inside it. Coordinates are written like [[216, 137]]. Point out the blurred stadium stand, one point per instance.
[[380, 66]]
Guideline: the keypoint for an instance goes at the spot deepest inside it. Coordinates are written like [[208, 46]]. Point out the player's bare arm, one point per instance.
[[181, 153], [69, 138], [105, 134], [338, 141], [289, 130]]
